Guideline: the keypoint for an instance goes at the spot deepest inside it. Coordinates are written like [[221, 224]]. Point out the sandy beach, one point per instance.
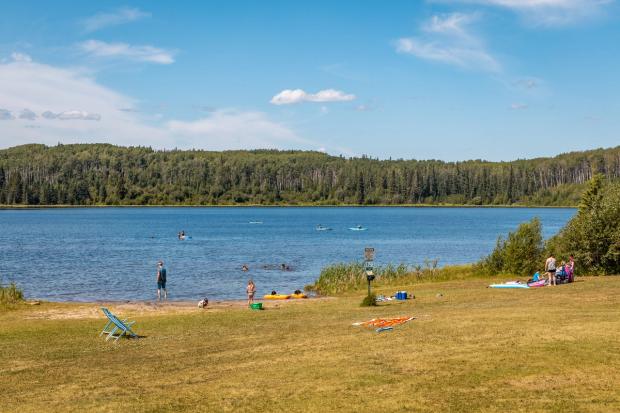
[[88, 310]]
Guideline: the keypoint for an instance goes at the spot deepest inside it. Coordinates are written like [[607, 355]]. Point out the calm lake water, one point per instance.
[[111, 253]]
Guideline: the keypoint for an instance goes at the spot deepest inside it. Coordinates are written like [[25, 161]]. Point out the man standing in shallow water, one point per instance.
[[161, 281]]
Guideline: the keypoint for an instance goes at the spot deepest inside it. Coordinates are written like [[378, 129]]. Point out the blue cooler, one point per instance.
[[401, 295]]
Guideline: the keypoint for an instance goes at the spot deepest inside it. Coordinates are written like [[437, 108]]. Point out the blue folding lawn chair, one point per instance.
[[123, 327]]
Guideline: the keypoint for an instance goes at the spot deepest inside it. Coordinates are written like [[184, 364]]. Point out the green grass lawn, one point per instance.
[[473, 349]]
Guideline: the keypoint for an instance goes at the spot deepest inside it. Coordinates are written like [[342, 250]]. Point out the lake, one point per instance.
[[88, 254]]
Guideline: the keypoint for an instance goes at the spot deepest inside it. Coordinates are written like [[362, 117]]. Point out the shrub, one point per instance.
[[10, 294], [369, 301], [520, 253]]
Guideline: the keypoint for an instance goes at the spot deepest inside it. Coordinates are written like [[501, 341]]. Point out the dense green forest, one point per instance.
[[101, 174]]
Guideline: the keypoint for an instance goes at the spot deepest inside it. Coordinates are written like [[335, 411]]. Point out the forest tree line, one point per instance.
[[102, 174]]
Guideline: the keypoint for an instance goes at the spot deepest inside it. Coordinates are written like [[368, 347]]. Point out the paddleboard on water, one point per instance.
[[357, 229]]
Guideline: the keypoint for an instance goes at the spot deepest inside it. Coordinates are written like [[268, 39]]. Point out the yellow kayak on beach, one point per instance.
[[299, 295], [277, 296]]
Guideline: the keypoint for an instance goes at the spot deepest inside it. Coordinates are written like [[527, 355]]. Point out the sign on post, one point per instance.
[[369, 256]]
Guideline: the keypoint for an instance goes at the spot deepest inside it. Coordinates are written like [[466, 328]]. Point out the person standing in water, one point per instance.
[[250, 290], [161, 281]]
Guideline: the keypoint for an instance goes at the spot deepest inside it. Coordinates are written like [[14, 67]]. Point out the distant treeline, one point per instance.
[[101, 174]]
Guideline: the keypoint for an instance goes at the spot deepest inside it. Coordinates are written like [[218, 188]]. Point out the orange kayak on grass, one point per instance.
[[277, 296]]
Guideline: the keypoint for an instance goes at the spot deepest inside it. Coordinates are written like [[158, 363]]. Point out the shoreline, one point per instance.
[[56, 310], [27, 207]]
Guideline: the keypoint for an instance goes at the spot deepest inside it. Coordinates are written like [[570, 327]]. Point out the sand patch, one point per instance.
[[93, 310]]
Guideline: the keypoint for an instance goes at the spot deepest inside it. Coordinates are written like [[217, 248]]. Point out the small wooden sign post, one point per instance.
[[369, 256]]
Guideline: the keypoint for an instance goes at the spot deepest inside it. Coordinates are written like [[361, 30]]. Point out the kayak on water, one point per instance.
[[358, 228]]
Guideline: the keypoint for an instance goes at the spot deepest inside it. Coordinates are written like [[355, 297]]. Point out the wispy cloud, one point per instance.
[[95, 116], [518, 106], [148, 54], [120, 16], [290, 96], [27, 114], [448, 39], [233, 129], [528, 83], [20, 57], [71, 115], [6, 114], [547, 12]]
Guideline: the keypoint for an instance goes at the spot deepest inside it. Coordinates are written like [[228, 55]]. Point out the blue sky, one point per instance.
[[441, 79]]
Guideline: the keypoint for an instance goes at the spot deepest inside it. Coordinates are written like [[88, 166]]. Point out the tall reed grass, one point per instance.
[[10, 294], [343, 277]]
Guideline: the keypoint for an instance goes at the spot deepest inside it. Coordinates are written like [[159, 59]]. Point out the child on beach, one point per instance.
[[250, 290]]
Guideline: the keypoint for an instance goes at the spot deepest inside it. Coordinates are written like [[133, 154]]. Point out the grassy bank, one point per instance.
[[470, 349], [10, 295], [340, 278]]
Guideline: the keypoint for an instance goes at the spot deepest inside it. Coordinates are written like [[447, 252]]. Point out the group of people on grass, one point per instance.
[[566, 270]]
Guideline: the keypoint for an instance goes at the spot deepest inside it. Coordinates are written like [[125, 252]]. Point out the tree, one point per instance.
[[593, 235], [361, 190], [519, 254]]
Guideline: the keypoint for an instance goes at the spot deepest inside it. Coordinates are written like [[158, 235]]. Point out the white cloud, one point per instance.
[[27, 114], [126, 51], [451, 24], [49, 115], [65, 98], [528, 83], [447, 39], [518, 106], [120, 16], [20, 57], [71, 115], [290, 96], [547, 12]]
